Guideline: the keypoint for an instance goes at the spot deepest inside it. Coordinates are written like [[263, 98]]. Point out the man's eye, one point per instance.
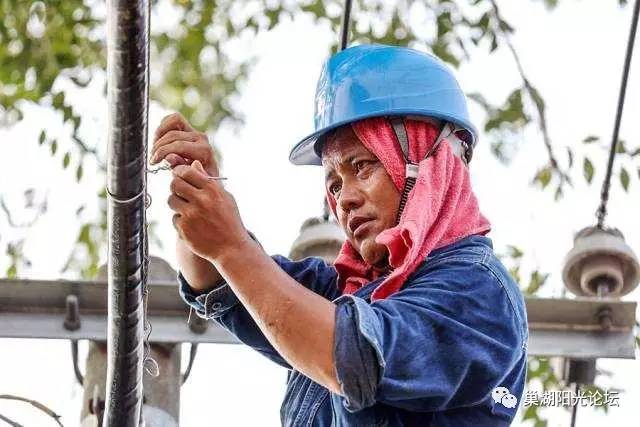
[[360, 165], [334, 188]]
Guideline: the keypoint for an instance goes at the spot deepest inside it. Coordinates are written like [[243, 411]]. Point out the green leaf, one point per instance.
[[444, 23], [591, 139], [543, 176], [54, 147], [79, 172], [535, 282], [570, 156], [483, 23], [558, 193], [494, 43], [530, 413], [624, 178], [12, 271], [514, 252], [66, 160], [540, 423], [84, 235], [42, 137], [620, 147], [587, 169], [58, 100]]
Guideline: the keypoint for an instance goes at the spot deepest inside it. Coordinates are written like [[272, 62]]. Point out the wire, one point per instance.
[[601, 213], [344, 35], [574, 410], [36, 405], [193, 350]]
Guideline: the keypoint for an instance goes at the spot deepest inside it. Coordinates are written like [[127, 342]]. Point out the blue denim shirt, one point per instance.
[[448, 349]]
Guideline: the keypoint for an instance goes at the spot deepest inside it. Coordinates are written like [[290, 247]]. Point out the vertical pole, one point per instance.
[[127, 74], [161, 394]]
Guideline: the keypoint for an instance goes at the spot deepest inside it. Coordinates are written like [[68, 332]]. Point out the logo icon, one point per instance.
[[503, 396]]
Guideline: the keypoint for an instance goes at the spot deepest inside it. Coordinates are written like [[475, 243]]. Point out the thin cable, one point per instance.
[[346, 20], [604, 196], [574, 410]]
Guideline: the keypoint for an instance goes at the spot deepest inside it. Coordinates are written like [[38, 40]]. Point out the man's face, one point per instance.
[[366, 198]]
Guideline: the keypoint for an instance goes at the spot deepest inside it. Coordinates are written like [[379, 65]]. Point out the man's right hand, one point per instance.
[[178, 143]]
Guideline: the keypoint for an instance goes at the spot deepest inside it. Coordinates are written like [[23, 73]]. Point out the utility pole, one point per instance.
[[161, 396]]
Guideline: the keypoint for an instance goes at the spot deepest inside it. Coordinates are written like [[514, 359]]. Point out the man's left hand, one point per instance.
[[206, 215]]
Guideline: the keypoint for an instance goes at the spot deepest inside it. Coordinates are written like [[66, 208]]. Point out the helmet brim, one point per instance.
[[309, 150]]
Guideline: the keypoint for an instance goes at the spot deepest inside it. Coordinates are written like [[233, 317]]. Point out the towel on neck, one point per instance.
[[441, 207]]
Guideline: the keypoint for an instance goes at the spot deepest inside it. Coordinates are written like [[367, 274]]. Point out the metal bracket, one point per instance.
[[581, 328], [77, 310]]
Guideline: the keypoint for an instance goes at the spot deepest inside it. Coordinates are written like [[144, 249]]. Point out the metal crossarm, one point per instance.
[[576, 328]]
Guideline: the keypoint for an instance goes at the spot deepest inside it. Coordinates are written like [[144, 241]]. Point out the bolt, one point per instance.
[[604, 318], [72, 318]]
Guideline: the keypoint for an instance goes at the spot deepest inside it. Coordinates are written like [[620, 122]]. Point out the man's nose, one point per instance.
[[351, 197]]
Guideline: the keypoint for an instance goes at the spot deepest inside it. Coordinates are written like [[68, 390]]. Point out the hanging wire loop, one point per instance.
[[127, 92], [604, 195]]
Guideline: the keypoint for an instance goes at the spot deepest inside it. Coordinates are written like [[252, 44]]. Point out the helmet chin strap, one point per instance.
[[411, 170]]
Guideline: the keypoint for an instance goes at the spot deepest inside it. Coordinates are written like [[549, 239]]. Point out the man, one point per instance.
[[417, 323]]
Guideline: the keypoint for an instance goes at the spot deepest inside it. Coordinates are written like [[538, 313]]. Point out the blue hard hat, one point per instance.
[[376, 80]]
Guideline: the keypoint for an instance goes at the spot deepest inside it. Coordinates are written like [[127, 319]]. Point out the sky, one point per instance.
[[573, 55]]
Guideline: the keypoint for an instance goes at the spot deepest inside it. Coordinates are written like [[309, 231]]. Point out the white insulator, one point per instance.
[[318, 238], [600, 264]]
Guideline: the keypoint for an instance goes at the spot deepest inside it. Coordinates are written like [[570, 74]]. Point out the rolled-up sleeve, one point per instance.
[[222, 305], [435, 345]]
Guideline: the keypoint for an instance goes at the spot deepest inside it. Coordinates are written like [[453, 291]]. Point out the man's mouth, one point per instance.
[[358, 224]]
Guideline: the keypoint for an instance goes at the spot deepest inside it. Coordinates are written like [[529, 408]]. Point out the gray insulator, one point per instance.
[[600, 264], [318, 238]]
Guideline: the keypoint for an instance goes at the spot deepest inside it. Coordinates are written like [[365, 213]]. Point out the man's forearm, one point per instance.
[[298, 323], [199, 272]]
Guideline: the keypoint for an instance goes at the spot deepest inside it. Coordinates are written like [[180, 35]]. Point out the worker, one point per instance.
[[417, 322]]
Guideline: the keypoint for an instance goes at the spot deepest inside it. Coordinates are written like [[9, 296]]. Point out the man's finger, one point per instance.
[[177, 203], [175, 160], [191, 176], [185, 149], [173, 121], [183, 189], [170, 136]]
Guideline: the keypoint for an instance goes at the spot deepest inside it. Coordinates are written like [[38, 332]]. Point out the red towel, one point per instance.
[[440, 210]]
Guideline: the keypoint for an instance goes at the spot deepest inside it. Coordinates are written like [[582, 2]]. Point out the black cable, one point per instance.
[[604, 196], [574, 410], [128, 88], [74, 358], [193, 350], [346, 20]]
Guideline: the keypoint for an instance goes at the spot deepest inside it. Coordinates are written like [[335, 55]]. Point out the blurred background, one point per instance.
[[542, 78]]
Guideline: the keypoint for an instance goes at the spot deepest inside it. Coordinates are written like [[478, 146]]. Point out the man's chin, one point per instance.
[[373, 253]]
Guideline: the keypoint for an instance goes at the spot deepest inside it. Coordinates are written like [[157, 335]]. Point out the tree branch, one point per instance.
[[535, 97]]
